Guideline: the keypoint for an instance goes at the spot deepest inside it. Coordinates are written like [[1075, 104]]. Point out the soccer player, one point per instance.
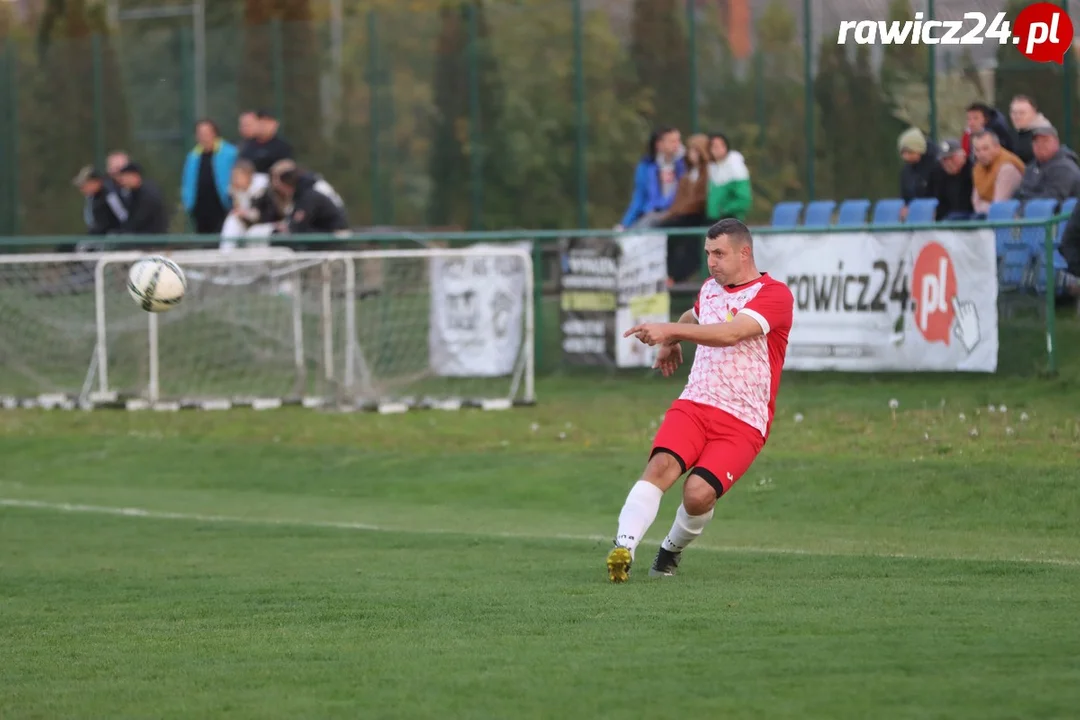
[[715, 429]]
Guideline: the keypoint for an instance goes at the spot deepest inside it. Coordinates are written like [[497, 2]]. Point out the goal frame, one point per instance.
[[97, 392]]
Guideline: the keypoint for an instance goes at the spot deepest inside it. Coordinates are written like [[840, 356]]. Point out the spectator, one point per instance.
[[119, 197], [265, 147], [1055, 171], [147, 210], [1069, 279], [919, 163], [253, 214], [312, 205], [204, 187], [950, 182], [997, 172], [655, 179], [98, 212], [729, 195], [981, 116], [688, 210], [1025, 117], [248, 126]]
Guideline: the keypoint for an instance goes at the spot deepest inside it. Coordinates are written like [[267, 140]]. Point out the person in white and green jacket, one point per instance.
[[729, 194]]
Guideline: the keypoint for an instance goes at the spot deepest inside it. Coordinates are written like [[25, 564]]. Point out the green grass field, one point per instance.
[[451, 564]]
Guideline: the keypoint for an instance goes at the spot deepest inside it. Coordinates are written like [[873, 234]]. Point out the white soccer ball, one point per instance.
[[156, 283]]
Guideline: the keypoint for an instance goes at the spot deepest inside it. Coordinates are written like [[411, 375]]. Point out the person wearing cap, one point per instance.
[[920, 160], [1055, 171], [98, 215], [950, 182], [147, 207], [313, 206], [997, 172]]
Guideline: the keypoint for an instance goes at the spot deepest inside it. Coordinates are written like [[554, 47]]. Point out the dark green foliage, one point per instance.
[[658, 48]]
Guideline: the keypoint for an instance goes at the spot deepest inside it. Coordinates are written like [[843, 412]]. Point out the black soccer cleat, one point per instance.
[[665, 564]]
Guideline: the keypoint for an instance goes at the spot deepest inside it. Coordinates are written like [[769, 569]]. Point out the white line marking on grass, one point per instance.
[[330, 524]]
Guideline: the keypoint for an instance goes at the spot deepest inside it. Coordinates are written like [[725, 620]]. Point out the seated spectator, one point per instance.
[[266, 147], [312, 205], [997, 172], [655, 179], [730, 195], [254, 213], [950, 182], [919, 163], [1055, 171], [119, 196], [204, 186], [1025, 117], [147, 214], [981, 116], [1069, 279], [98, 212], [688, 210]]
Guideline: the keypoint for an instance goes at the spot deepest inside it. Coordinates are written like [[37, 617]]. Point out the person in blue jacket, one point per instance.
[[204, 188], [655, 179]]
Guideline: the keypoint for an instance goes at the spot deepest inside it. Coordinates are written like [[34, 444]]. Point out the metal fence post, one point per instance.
[[1051, 309], [931, 79], [808, 97], [581, 136], [277, 64], [99, 102], [476, 151], [373, 80], [691, 48]]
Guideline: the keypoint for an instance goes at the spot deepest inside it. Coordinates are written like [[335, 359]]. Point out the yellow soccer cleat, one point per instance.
[[619, 561]]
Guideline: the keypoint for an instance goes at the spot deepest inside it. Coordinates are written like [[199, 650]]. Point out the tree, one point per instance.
[[58, 103], [659, 51], [300, 81]]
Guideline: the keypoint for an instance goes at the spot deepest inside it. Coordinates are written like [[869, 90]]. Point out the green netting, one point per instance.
[[504, 114]]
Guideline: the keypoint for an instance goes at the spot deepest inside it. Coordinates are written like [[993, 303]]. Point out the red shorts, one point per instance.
[[717, 446]]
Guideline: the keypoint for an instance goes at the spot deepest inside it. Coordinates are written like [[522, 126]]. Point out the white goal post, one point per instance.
[[385, 330]]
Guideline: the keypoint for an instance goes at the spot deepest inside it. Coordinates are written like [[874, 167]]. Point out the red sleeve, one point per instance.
[[697, 301], [772, 307]]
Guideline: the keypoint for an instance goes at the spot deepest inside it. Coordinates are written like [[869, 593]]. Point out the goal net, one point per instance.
[[380, 329]]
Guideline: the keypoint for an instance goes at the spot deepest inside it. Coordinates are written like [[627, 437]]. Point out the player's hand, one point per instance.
[[653, 333], [668, 359]]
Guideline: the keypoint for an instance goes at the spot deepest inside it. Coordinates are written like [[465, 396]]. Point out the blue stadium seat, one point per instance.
[[887, 212], [819, 213], [1068, 206], [786, 214], [1035, 239], [999, 211], [922, 210], [853, 212]]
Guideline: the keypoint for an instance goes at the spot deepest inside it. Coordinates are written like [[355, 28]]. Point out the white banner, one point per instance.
[[893, 301], [642, 295], [477, 312]]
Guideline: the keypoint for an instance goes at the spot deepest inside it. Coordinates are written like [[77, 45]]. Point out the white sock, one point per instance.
[[685, 529], [638, 514]]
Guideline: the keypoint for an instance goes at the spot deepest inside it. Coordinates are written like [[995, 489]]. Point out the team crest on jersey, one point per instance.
[[731, 313]]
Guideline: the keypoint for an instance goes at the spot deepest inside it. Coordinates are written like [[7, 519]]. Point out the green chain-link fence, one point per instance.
[[518, 113]]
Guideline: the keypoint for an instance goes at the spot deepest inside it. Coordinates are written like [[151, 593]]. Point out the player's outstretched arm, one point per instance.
[[741, 328]]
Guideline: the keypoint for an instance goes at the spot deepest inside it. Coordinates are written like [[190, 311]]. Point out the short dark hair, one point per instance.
[[983, 133], [289, 177], [1024, 98], [213, 125], [734, 229], [983, 108], [264, 114]]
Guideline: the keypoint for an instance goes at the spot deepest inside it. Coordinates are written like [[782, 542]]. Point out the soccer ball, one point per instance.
[[156, 283]]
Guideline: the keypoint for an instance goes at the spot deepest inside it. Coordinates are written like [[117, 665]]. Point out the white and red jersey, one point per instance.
[[743, 379]]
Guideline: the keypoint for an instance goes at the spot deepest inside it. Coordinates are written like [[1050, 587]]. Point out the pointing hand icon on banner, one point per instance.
[[966, 327]]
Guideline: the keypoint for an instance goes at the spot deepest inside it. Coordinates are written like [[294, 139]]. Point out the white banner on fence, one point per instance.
[[642, 295], [476, 313], [924, 300]]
